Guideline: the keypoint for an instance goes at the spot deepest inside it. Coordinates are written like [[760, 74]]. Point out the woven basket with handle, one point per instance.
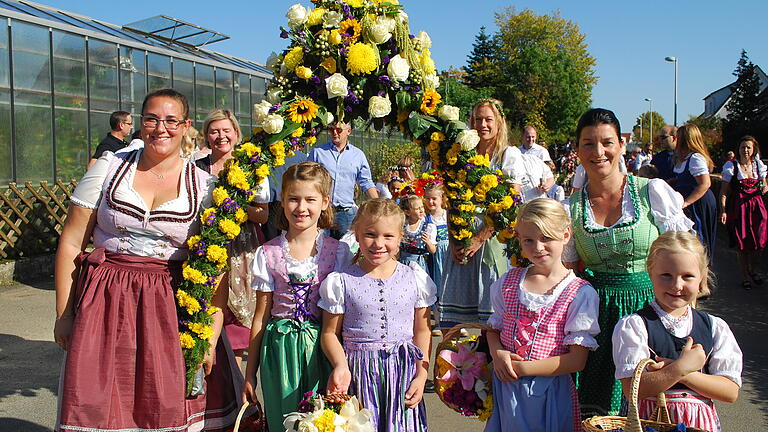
[[257, 420], [632, 423]]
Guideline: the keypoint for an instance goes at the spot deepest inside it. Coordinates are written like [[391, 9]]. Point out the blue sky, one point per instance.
[[629, 40]]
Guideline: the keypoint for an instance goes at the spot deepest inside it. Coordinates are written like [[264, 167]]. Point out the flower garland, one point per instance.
[[329, 414], [347, 60]]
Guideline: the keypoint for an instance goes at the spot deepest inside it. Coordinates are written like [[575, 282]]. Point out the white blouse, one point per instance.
[[536, 173], [431, 230], [332, 290], [262, 278], [511, 164], [537, 150], [383, 190], [759, 171], [666, 209], [581, 324], [87, 194], [440, 220], [630, 344], [697, 165]]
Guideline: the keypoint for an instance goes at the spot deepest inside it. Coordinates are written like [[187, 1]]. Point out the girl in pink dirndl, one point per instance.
[[698, 358], [116, 308]]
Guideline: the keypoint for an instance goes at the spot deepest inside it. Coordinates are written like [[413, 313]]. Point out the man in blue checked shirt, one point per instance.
[[347, 165]]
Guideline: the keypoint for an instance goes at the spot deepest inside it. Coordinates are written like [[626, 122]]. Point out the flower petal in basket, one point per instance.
[[467, 366], [356, 419]]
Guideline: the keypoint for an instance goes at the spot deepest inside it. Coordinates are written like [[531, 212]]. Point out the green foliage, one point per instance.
[[744, 106], [480, 69], [461, 95], [385, 154], [648, 134], [541, 70], [712, 131]]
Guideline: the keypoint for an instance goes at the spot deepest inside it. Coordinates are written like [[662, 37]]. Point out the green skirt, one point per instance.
[[292, 363], [620, 295]]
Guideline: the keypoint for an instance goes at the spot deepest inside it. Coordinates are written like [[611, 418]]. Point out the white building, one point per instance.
[[715, 103]]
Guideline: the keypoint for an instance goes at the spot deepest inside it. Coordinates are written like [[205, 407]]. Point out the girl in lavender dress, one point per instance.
[[546, 321], [380, 309], [287, 272]]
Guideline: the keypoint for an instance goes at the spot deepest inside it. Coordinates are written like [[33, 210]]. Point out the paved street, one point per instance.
[[30, 360]]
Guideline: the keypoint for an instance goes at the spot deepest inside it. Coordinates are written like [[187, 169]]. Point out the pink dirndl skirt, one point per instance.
[[686, 406], [124, 369]]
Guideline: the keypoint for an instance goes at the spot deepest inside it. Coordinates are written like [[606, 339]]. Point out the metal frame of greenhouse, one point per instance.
[[63, 74]]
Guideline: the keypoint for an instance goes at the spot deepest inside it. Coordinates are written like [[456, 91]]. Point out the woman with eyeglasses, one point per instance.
[[222, 134], [115, 306]]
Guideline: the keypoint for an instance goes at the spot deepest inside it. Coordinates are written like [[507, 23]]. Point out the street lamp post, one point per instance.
[[650, 114], [674, 60], [641, 128]]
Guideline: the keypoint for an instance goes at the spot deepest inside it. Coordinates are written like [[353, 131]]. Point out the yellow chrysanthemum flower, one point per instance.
[[361, 59], [329, 64], [219, 195], [186, 340], [230, 228], [249, 149], [303, 72], [310, 141], [437, 136], [487, 410], [334, 38], [326, 422], [466, 207], [279, 162], [212, 310], [207, 213], [195, 276], [354, 3], [429, 101], [277, 149], [241, 216], [315, 17], [480, 160], [203, 331], [297, 133], [294, 58], [427, 64], [458, 220], [489, 181], [262, 171], [302, 111], [217, 254], [192, 241], [236, 177]]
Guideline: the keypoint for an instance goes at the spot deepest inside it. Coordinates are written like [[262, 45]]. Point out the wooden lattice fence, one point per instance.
[[32, 217]]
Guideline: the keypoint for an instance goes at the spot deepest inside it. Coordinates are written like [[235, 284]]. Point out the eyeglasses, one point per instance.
[[665, 136], [170, 124], [336, 129]]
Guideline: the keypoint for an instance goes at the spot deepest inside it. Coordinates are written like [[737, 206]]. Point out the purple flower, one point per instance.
[[274, 108], [385, 59], [316, 80], [382, 93], [384, 79], [283, 33]]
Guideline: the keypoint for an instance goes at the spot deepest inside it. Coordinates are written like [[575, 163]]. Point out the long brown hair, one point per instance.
[[310, 172], [690, 140]]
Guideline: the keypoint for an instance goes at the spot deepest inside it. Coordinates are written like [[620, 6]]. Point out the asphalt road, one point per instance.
[[30, 361]]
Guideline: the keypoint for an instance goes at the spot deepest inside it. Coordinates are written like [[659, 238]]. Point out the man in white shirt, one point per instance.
[[537, 180], [529, 147]]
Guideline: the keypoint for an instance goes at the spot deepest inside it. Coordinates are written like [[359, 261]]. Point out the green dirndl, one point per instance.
[[292, 363], [620, 294]]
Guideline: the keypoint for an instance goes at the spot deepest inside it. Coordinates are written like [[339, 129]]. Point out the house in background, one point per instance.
[[715, 103]]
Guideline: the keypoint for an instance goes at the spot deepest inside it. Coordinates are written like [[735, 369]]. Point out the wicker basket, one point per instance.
[[481, 346], [259, 425], [632, 423]]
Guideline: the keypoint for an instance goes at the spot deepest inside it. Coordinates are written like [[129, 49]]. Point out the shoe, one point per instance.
[[757, 279], [429, 387], [463, 332], [437, 332], [747, 285]]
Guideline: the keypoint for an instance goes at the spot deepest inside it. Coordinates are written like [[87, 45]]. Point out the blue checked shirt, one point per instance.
[[346, 168]]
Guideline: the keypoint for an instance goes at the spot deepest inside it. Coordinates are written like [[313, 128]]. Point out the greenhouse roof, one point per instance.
[[161, 32]]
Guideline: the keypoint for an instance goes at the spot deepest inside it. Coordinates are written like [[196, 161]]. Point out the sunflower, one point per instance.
[[429, 101], [361, 59], [350, 29], [302, 111]]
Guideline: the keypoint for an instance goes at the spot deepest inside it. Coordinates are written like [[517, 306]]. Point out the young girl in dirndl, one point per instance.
[[419, 236], [698, 358], [546, 321], [376, 323], [287, 273]]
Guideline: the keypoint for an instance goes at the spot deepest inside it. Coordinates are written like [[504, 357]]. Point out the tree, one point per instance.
[[712, 131], [648, 134], [480, 68], [546, 73], [458, 94], [744, 107]]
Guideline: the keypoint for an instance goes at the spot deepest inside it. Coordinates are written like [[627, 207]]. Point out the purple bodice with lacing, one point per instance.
[[296, 296]]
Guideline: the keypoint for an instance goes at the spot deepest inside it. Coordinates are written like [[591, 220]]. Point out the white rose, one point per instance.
[[379, 106], [398, 68], [273, 123], [332, 19], [380, 33], [330, 118], [272, 61], [386, 21], [261, 111], [448, 113], [297, 15], [336, 85], [402, 16], [468, 139], [423, 39], [433, 80], [274, 95]]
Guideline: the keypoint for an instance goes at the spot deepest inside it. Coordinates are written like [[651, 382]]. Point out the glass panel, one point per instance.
[[203, 93], [224, 88], [99, 114], [159, 71], [32, 79], [242, 94], [71, 121], [102, 66], [184, 80], [132, 79], [258, 89], [6, 167], [245, 125]]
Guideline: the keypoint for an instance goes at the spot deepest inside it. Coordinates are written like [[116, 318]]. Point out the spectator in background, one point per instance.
[[404, 170], [383, 184], [347, 165], [644, 157], [648, 171], [122, 125], [729, 158], [530, 135], [556, 192], [664, 161]]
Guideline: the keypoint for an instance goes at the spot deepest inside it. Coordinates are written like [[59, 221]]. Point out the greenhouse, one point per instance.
[[63, 74]]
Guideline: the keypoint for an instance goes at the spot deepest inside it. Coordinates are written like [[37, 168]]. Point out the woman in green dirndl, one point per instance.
[[615, 219]]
